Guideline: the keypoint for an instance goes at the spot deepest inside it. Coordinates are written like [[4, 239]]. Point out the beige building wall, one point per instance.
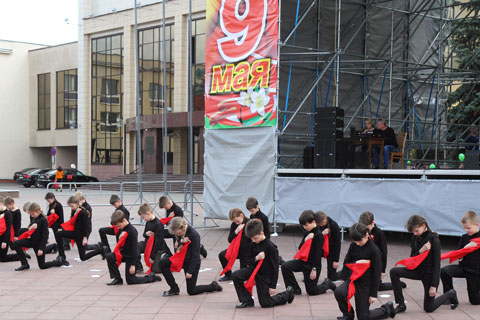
[[14, 108], [101, 18]]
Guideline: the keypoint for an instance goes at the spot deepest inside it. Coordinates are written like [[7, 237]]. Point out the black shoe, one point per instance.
[[243, 305], [400, 308], [225, 278], [453, 299], [332, 286], [115, 282], [404, 285], [23, 267], [54, 249], [154, 277], [390, 309], [289, 294], [216, 286], [139, 268], [297, 292], [62, 261], [203, 252], [170, 293], [27, 256]]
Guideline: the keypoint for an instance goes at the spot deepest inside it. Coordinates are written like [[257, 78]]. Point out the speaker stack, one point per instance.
[[328, 146]]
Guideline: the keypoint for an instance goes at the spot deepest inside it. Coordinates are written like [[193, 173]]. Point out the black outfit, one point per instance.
[[82, 225], [88, 207], [334, 245], [242, 252], [130, 253], [5, 238], [388, 134], [103, 232], [314, 261], [159, 245], [428, 272], [191, 265], [58, 209], [38, 241], [16, 221], [265, 279], [262, 217], [468, 267], [365, 287], [178, 213], [378, 237]]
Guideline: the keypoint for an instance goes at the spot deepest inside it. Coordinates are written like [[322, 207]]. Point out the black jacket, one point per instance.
[[316, 252], [192, 258], [262, 217], [378, 237], [57, 206], [334, 239], [156, 227], [175, 208], [130, 250], [5, 237], [16, 221], [269, 269], [40, 236], [470, 261], [125, 212], [244, 242], [82, 224], [431, 265]]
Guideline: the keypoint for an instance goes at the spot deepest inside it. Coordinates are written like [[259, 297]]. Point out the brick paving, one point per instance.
[[80, 291]]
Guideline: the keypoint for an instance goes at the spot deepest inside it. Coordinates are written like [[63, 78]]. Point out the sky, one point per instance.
[[39, 21]]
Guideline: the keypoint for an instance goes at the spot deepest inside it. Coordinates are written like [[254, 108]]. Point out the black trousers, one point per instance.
[[60, 235], [224, 262], [192, 287], [103, 236], [362, 303], [27, 243], [5, 256], [430, 304], [312, 287], [264, 297], [473, 281], [115, 272], [331, 271]]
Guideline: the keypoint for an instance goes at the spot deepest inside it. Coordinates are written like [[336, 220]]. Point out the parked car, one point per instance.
[[18, 174], [69, 175], [30, 177]]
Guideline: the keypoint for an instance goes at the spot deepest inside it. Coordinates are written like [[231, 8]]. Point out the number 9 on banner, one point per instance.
[[243, 23]]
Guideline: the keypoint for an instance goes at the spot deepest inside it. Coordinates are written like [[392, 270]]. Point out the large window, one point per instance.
[[198, 68], [150, 55], [107, 77], [44, 101], [67, 99]]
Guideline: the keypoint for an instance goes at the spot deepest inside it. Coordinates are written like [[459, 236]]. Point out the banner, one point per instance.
[[241, 63]]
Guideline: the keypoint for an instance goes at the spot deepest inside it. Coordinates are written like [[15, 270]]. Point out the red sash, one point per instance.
[[178, 258], [460, 253], [164, 221], [413, 262], [115, 229], [26, 235], [232, 252], [52, 218], [326, 245], [251, 281], [120, 245], [304, 251], [358, 270], [148, 253], [70, 225]]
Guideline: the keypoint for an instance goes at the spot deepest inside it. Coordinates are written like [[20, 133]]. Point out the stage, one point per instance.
[[442, 196]]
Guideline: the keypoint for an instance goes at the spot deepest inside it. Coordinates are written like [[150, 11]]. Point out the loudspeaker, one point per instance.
[[327, 123], [472, 158], [330, 112], [333, 154], [361, 160], [308, 158], [328, 134]]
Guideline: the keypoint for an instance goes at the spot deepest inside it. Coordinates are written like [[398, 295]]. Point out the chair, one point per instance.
[[401, 141]]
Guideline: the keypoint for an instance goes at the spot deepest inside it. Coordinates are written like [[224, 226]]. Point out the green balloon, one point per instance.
[[432, 166], [461, 156], [408, 162]]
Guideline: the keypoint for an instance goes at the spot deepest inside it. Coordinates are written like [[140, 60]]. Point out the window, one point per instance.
[[44, 101], [106, 100], [150, 49], [67, 99], [198, 63]]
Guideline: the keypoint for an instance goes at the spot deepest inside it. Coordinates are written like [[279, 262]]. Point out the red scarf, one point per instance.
[[3, 229], [413, 262], [70, 225], [26, 235], [148, 253], [115, 229], [164, 221], [178, 258], [251, 281], [326, 245], [52, 218], [120, 245], [304, 251], [460, 253], [232, 252], [358, 270]]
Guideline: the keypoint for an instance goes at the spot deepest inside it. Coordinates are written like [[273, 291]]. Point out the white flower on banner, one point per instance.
[[259, 101], [245, 97]]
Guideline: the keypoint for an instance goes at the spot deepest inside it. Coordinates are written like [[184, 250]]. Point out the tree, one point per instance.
[[464, 102]]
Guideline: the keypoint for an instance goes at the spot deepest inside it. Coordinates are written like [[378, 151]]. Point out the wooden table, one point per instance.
[[370, 142]]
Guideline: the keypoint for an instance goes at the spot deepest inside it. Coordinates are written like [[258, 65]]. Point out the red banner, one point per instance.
[[241, 63]]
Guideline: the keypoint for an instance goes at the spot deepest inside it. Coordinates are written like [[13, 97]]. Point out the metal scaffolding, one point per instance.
[[375, 59]]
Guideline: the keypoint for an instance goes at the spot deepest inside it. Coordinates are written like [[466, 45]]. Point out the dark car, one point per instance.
[[69, 175], [30, 177], [18, 174]]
